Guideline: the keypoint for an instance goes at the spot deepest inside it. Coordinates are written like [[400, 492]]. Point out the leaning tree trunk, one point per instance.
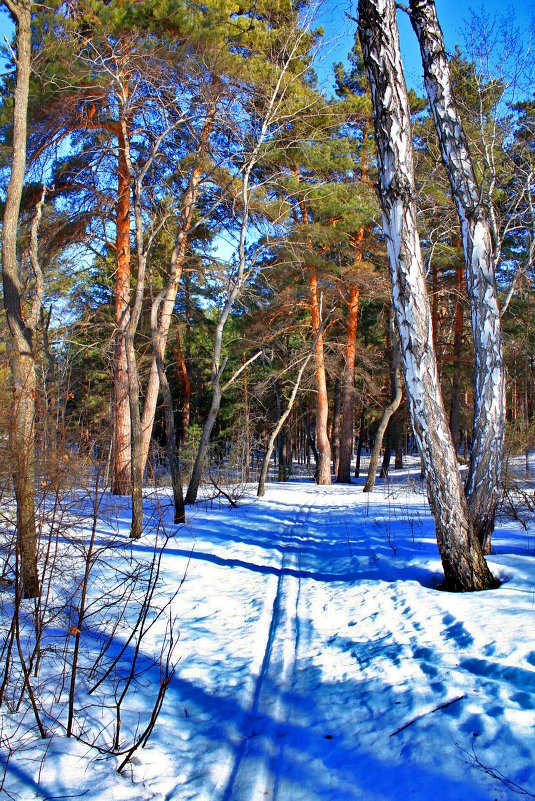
[[20, 330], [348, 390], [323, 472], [283, 417], [389, 411], [167, 302], [485, 473], [462, 557], [202, 450]]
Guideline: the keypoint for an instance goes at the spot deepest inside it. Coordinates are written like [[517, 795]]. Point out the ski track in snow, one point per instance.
[[260, 755], [350, 648], [318, 664]]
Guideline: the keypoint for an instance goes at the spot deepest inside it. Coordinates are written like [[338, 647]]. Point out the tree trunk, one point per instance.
[[336, 425], [283, 473], [20, 331], [385, 466], [323, 445], [185, 384], [361, 439], [121, 484], [247, 455], [136, 474], [171, 444], [483, 485], [388, 412], [461, 554], [200, 458], [348, 390], [400, 439], [282, 419], [455, 408]]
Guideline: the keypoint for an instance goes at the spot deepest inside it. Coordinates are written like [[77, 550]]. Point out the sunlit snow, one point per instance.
[[318, 661]]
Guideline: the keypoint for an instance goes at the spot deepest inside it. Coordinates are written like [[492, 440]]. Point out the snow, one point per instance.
[[316, 660]]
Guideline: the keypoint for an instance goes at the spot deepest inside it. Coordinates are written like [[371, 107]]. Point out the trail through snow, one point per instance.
[[319, 662]]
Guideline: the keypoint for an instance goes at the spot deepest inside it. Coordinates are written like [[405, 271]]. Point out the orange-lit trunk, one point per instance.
[[348, 390], [121, 405], [322, 403]]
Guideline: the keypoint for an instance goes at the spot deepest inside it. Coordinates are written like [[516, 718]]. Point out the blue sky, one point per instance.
[[454, 16]]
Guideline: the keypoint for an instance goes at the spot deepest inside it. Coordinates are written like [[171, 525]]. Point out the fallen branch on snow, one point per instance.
[[430, 712]]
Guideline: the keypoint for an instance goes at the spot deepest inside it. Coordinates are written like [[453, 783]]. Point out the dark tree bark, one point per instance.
[[185, 385], [462, 558], [387, 414], [361, 440], [385, 465], [400, 439], [170, 432], [336, 425], [484, 481], [20, 330]]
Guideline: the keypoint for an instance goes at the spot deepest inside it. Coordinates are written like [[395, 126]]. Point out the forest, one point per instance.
[[233, 271]]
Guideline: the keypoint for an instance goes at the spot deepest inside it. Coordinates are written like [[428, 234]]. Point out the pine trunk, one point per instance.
[[462, 558], [361, 439], [323, 446], [121, 484], [19, 332], [485, 473], [348, 390], [336, 424]]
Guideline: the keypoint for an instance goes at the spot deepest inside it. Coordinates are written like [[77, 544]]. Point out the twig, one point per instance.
[[475, 762], [222, 492], [430, 712]]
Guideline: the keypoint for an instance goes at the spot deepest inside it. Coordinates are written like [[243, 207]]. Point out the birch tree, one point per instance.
[[461, 553], [479, 243]]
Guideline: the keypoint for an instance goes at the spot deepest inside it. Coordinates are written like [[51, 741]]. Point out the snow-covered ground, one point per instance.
[[317, 661]]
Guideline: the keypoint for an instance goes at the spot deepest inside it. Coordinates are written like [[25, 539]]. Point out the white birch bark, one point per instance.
[[484, 478], [462, 558]]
